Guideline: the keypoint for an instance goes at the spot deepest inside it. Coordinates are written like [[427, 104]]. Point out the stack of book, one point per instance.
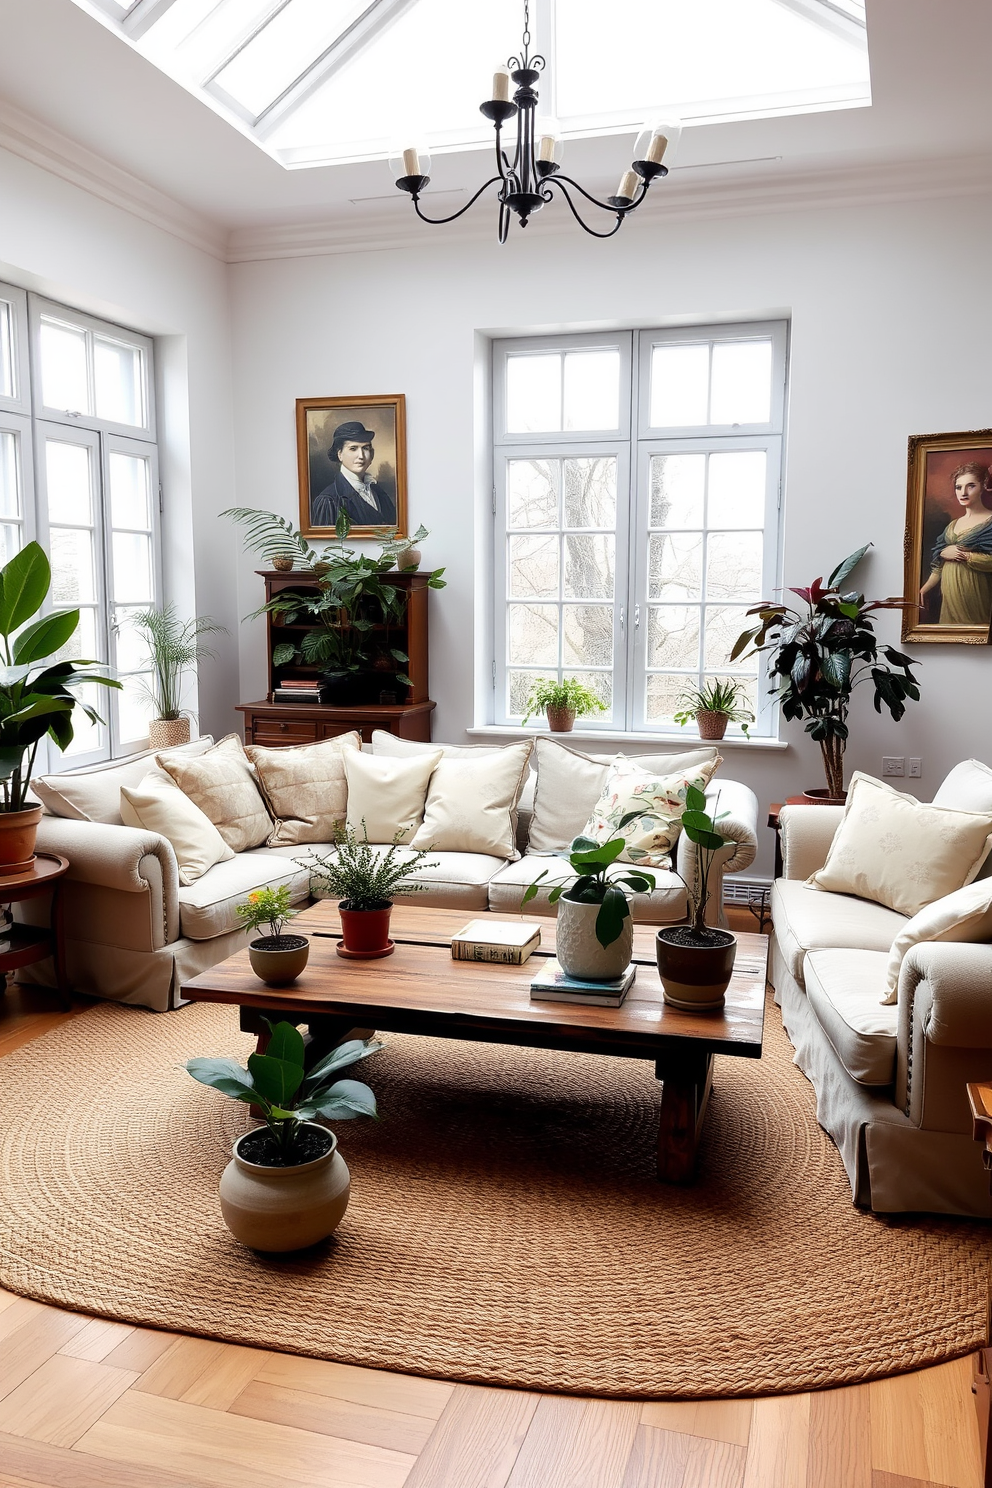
[[297, 690], [509, 942], [551, 984]]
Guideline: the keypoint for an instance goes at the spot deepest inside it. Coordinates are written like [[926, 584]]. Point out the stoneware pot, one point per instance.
[[364, 933], [560, 720], [278, 960], [410, 560], [167, 733], [820, 796], [580, 953], [18, 830], [711, 725], [285, 1208], [695, 977]]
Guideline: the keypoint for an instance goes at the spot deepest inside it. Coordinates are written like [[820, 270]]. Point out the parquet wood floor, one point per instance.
[[91, 1404]]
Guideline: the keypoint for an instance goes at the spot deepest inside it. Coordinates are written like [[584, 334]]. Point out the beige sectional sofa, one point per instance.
[[134, 933]]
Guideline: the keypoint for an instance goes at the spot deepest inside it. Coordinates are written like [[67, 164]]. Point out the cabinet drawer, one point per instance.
[[283, 731]]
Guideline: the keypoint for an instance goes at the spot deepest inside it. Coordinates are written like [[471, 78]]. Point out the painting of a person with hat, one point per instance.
[[352, 490]]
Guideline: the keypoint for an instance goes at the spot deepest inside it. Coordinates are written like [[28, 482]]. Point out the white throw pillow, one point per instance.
[[965, 915], [894, 850], [95, 794], [470, 802], [651, 837], [968, 787], [386, 796], [158, 805]]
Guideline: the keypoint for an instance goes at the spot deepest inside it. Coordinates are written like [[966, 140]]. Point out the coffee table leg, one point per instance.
[[687, 1081]]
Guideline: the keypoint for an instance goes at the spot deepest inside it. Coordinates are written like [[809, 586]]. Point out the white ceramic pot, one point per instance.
[[580, 953], [285, 1208]]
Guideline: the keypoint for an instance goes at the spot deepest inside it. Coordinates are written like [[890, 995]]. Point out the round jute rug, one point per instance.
[[505, 1223]]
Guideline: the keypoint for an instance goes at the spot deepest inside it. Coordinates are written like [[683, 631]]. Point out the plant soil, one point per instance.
[[685, 935], [260, 1148], [279, 943]]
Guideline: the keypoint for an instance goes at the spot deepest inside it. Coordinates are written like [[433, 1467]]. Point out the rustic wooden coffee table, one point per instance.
[[421, 990]]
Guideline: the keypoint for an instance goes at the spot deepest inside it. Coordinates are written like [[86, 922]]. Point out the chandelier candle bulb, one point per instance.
[[411, 163], [657, 148], [546, 150], [629, 182], [501, 86]]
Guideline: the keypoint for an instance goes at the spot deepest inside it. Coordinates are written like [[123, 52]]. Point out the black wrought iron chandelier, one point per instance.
[[530, 179]]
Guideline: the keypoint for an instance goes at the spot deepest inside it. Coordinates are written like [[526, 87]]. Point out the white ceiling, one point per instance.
[[930, 71]]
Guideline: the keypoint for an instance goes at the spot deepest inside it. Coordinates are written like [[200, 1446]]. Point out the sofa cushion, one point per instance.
[[660, 800], [452, 880], [968, 787], [209, 906], [95, 794], [305, 788], [158, 805], [470, 803], [843, 990], [391, 745], [221, 782], [808, 920], [665, 906]]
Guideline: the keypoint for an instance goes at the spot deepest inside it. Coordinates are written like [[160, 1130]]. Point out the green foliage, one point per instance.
[[701, 828], [266, 907], [174, 646], [35, 699], [568, 693], [360, 876], [590, 862], [278, 1084], [718, 695]]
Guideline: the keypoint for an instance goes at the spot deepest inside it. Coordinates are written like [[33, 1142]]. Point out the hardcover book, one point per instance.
[[551, 984], [508, 942]]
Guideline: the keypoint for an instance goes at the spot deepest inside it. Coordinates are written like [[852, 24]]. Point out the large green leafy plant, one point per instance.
[[816, 658], [590, 862], [36, 694]]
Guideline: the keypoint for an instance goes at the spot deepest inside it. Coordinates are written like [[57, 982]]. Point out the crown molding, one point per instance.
[[24, 135]]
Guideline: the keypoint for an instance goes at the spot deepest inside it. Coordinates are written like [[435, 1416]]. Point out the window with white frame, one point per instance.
[[637, 484], [79, 472]]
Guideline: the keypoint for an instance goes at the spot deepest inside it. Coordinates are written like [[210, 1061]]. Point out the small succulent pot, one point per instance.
[[711, 725], [18, 832], [578, 951], [409, 560], [561, 721], [695, 975], [282, 1209], [167, 733], [279, 959], [282, 565], [364, 933]]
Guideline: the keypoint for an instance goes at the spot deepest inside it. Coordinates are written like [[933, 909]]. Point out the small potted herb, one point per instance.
[[561, 703], [277, 958], [287, 1185], [364, 879], [718, 702], [595, 933]]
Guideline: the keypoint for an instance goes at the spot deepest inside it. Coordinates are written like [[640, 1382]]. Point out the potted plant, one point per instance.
[[720, 700], [817, 658], [276, 958], [696, 960], [287, 1185], [36, 696], [595, 933], [561, 703], [364, 879], [174, 646]]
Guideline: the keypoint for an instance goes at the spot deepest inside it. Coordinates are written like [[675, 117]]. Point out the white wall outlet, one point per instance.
[[915, 768], [893, 764]]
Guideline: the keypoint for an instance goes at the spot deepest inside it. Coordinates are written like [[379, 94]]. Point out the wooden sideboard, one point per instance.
[[275, 724]]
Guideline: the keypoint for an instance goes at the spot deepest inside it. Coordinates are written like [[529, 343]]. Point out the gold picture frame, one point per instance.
[[940, 493], [369, 486]]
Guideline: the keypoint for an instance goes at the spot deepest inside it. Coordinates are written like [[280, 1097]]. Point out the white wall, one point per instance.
[[64, 242], [891, 310]]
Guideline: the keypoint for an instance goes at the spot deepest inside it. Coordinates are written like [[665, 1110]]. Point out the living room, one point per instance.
[[845, 229]]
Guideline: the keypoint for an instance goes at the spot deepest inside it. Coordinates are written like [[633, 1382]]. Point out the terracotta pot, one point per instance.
[[168, 733], [18, 830], [580, 953], [285, 1208], [711, 725], [694, 977], [364, 933], [279, 964], [820, 796], [409, 561], [560, 721]]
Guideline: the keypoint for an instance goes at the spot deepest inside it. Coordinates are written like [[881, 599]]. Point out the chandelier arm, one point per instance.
[[584, 225], [558, 178], [440, 221]]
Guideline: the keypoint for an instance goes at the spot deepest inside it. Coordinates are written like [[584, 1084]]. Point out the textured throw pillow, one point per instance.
[[221, 783], [470, 803], [893, 850], [305, 788], [95, 794], [965, 915], [651, 837], [570, 782], [158, 805], [386, 796]]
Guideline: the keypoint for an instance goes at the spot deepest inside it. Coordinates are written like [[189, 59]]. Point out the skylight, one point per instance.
[[320, 82]]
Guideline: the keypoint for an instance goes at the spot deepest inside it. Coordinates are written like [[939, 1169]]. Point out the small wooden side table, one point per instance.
[[980, 1101], [29, 943]]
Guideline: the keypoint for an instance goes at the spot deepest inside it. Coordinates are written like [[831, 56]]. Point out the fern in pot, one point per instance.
[[174, 648], [364, 878]]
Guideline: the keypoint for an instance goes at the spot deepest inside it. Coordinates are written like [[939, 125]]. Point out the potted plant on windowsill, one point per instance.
[[561, 703], [713, 706], [287, 1185], [696, 960], [595, 933], [277, 959], [364, 879], [174, 646], [36, 696]]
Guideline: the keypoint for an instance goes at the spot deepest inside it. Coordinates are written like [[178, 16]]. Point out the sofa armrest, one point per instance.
[[956, 1010], [806, 833], [127, 859]]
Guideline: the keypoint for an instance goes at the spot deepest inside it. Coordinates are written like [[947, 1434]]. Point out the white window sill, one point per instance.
[[612, 736]]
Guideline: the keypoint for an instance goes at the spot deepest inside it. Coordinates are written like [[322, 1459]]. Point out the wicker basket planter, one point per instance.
[[168, 733], [711, 725]]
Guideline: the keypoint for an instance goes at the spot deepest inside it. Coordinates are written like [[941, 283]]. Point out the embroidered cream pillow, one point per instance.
[[386, 796], [221, 783], [661, 800], [894, 850], [305, 788], [965, 915], [157, 804], [470, 803]]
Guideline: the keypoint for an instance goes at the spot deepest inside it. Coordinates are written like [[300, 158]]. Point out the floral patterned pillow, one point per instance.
[[661, 800]]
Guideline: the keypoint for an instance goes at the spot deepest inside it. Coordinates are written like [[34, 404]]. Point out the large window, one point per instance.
[[79, 472], [637, 481]]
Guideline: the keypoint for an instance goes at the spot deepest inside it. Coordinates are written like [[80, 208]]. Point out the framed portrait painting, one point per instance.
[[948, 545], [352, 458]]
